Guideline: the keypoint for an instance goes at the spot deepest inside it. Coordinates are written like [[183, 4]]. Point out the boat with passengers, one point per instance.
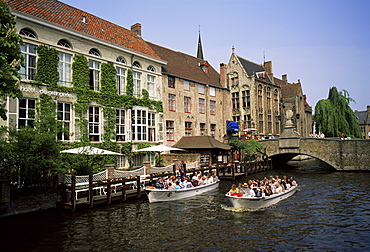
[[161, 194], [255, 196]]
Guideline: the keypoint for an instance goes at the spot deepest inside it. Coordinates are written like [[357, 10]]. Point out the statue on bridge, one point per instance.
[[288, 116]]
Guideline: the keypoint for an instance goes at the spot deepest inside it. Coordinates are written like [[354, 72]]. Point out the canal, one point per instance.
[[330, 212]]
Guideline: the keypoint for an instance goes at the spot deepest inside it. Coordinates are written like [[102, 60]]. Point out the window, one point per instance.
[[120, 125], [200, 89], [171, 82], [235, 100], [213, 130], [212, 107], [136, 64], [28, 33], [27, 111], [188, 128], [64, 69], [94, 124], [187, 104], [151, 127], [259, 92], [64, 43], [171, 102], [137, 84], [121, 60], [150, 68], [186, 85], [248, 121], [64, 116], [202, 129], [246, 98], [170, 129], [201, 105], [151, 89], [212, 91], [139, 125], [94, 75], [28, 72], [121, 80], [94, 52]]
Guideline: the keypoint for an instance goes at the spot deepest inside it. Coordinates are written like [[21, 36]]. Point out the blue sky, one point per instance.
[[323, 43]]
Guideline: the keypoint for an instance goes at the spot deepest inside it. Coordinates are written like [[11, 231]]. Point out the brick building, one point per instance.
[[363, 119]]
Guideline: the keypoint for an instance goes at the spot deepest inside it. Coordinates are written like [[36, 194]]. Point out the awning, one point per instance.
[[232, 126]]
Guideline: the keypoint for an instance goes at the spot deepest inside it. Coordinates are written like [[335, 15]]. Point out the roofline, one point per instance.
[[84, 36], [194, 81]]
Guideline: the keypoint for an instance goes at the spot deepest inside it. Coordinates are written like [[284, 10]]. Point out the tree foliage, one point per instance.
[[251, 147], [10, 58], [334, 116]]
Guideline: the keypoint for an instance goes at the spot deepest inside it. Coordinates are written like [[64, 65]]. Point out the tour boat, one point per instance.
[[241, 200], [158, 195]]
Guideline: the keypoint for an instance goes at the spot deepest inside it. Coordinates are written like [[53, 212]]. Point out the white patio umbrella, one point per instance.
[[159, 148], [89, 151]]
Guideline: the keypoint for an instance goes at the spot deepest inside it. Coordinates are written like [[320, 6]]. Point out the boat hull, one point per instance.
[[259, 202], [159, 195]]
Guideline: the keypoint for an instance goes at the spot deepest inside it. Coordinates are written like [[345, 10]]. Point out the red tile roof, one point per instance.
[[186, 66], [67, 16]]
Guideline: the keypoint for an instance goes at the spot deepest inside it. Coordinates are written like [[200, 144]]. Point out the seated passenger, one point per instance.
[[159, 184], [268, 190], [234, 189], [177, 185], [215, 178], [278, 188]]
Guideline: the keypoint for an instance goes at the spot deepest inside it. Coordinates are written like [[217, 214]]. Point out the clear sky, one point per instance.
[[323, 43]]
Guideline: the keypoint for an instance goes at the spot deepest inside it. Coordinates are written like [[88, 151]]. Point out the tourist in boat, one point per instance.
[[159, 184], [215, 178], [233, 189], [278, 188], [292, 181], [182, 169], [268, 190]]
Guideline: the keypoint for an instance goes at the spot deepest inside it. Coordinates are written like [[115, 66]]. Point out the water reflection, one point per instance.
[[330, 212]]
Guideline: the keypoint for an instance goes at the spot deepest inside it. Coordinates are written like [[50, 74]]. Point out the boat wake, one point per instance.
[[237, 209]]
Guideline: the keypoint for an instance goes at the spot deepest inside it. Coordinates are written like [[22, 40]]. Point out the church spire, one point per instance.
[[200, 50]]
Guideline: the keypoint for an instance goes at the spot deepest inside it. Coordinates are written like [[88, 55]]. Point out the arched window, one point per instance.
[[64, 43], [121, 60], [136, 64], [28, 33], [94, 52], [150, 68]]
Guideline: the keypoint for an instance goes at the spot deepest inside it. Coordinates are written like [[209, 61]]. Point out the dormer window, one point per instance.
[[205, 67]]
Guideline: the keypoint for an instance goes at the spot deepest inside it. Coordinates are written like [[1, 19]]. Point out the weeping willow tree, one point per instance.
[[334, 116]]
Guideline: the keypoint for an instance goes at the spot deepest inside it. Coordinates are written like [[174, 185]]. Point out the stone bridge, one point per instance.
[[344, 155]]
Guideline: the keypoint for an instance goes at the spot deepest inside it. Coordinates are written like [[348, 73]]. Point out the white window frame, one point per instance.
[[28, 72], [186, 85], [65, 69], [201, 89], [64, 115], [151, 86], [121, 80], [94, 122], [139, 125], [212, 91], [136, 76], [94, 67], [120, 125]]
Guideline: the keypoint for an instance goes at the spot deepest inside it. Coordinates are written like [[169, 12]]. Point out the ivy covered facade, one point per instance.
[[107, 91]]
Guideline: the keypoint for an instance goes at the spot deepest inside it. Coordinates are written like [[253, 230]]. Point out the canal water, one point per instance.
[[330, 212]]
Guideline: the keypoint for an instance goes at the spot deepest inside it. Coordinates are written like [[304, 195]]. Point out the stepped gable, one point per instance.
[[186, 67], [72, 18]]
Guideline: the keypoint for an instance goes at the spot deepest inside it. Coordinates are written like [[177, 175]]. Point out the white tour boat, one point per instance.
[[241, 200], [158, 195]]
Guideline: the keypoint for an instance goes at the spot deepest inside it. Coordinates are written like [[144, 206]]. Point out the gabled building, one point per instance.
[[75, 34], [255, 96], [195, 100], [363, 119], [292, 98]]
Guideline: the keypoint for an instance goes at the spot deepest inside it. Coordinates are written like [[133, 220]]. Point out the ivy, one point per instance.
[[47, 66]]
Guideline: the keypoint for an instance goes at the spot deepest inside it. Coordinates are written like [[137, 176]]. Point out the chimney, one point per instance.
[[268, 67], [223, 77], [285, 78], [136, 29]]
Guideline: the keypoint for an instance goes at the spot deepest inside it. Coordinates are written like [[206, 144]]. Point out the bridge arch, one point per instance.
[[340, 154]]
